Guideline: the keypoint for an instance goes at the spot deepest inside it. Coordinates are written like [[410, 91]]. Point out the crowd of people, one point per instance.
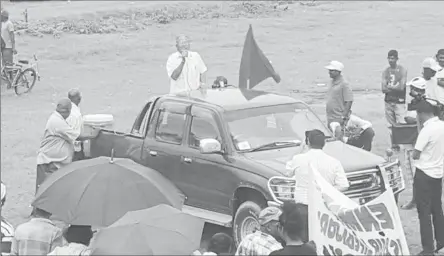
[[424, 159], [283, 231]]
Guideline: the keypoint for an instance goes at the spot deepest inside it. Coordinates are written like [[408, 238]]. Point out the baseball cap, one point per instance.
[[418, 82], [431, 63], [269, 214], [335, 65]]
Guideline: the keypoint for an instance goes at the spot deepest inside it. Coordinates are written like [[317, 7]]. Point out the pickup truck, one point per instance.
[[221, 147]]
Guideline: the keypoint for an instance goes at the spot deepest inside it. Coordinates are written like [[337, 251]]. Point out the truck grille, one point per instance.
[[364, 186]]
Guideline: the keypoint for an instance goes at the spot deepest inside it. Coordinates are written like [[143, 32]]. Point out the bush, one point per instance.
[[140, 19]]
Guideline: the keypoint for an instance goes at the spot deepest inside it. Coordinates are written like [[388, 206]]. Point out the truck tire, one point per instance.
[[245, 220]]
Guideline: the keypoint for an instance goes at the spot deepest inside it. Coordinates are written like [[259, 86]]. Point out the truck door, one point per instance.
[[164, 141], [207, 179]]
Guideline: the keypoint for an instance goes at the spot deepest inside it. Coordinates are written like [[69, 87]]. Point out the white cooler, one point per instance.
[[91, 122]]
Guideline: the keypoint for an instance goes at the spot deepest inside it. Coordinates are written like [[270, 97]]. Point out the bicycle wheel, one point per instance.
[[23, 82]]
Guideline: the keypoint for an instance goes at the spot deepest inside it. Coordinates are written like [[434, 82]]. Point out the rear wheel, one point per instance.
[[25, 81], [246, 220]]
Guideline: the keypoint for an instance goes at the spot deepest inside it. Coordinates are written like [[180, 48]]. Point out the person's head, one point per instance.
[[392, 58], [183, 43], [417, 86], [75, 96], [335, 68], [4, 15], [220, 82], [440, 57], [64, 107], [78, 234], [294, 221], [430, 67], [40, 213], [425, 110], [220, 243], [269, 221], [315, 139]]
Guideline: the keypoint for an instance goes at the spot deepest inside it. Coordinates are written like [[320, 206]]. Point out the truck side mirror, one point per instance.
[[210, 146]]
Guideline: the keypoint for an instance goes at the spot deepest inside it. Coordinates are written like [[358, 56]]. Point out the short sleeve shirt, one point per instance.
[[7, 28], [339, 92], [394, 76], [430, 142], [433, 90], [189, 78]]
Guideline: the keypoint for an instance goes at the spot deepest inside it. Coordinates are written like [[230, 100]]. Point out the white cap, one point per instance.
[[335, 65], [418, 82], [432, 64]]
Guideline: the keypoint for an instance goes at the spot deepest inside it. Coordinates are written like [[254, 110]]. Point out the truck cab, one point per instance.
[[221, 148]]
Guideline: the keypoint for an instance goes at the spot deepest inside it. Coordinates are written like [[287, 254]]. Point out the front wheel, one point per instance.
[[25, 81], [246, 220]]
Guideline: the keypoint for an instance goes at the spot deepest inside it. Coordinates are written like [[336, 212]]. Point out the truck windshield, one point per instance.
[[255, 127]]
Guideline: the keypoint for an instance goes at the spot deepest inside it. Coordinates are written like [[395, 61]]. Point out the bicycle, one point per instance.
[[15, 75]]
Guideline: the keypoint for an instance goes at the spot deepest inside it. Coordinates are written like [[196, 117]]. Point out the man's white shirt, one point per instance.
[[430, 142], [354, 122], [75, 120], [434, 91], [189, 78], [329, 167]]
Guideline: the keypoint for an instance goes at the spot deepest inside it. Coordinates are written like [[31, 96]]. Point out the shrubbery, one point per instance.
[[140, 19]]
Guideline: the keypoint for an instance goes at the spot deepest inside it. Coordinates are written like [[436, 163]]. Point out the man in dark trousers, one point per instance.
[[429, 163]]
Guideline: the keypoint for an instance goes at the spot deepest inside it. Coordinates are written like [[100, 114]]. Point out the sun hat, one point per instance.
[[418, 82], [269, 214], [335, 65]]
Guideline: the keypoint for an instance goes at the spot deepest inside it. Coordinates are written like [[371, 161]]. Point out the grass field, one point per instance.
[[118, 72]]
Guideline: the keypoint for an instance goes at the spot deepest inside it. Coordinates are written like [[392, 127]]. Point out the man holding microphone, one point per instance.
[[185, 68]]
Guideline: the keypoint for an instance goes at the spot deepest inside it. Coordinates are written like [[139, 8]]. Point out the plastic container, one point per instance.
[[403, 134], [98, 121]]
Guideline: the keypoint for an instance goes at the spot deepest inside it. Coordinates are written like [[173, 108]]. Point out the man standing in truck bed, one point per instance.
[[185, 68], [393, 86]]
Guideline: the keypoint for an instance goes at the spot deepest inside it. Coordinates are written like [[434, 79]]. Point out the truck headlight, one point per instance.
[[376, 179]]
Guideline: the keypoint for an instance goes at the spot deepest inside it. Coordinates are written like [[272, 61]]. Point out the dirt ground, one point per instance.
[[118, 72]]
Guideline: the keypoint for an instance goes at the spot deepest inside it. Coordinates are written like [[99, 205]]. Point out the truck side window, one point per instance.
[[170, 127], [141, 122], [203, 126]]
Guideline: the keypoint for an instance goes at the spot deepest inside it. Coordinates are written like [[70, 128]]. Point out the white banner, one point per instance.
[[339, 226]]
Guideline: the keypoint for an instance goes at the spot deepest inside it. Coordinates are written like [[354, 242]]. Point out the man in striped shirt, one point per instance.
[[38, 236], [263, 241]]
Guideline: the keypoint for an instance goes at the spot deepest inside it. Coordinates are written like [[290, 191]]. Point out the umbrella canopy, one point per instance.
[[98, 191], [163, 229]]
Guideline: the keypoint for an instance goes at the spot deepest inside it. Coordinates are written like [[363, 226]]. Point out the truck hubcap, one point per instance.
[[249, 225]]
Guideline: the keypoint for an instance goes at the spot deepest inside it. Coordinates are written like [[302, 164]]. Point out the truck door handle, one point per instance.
[[187, 160], [153, 153]]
